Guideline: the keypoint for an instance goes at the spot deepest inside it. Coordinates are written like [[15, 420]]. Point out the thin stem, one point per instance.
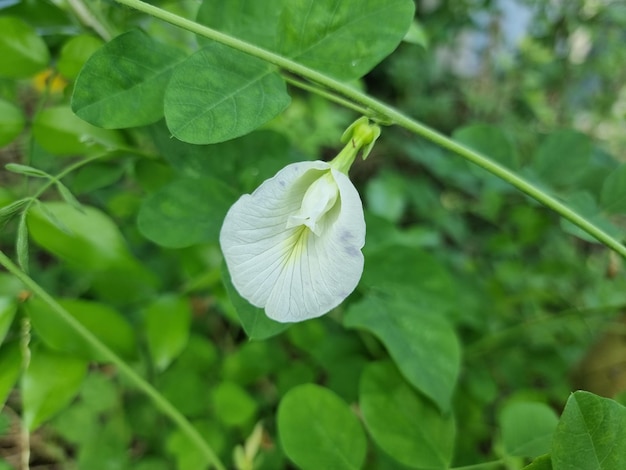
[[25, 352], [379, 109], [159, 401], [90, 19], [325, 94]]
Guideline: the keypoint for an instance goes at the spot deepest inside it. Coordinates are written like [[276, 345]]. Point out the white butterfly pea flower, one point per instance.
[[293, 246]]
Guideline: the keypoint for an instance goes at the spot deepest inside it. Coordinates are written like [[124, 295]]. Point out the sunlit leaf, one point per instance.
[[123, 83], [218, 94], [23, 51], [318, 430]]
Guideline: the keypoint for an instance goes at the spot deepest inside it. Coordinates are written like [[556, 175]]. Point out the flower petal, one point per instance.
[[292, 272]]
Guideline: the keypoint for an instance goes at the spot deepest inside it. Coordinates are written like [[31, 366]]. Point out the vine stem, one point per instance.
[[159, 401], [393, 116]]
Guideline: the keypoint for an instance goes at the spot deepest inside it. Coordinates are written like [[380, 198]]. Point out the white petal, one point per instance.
[[290, 271]]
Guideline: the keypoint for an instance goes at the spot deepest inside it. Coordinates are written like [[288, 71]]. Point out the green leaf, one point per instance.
[[613, 196], [10, 368], [540, 463], [108, 325], [12, 122], [68, 197], [23, 52], [8, 307], [423, 345], [49, 384], [343, 39], [75, 53], [591, 434], [218, 94], [562, 158], [185, 212], [7, 212], [94, 241], [123, 83], [527, 428], [256, 324], [167, 321], [26, 170], [250, 20], [402, 422], [232, 404], [21, 243], [386, 196], [585, 204], [417, 35], [60, 132], [318, 430], [490, 140]]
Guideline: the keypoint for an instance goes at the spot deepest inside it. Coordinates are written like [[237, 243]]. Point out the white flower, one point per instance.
[[293, 246]]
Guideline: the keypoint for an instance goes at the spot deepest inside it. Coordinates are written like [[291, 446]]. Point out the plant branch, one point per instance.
[[159, 401], [378, 109]]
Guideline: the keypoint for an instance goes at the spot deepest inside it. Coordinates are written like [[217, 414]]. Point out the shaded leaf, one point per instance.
[[26, 170], [12, 122], [10, 368], [527, 428], [23, 52], [402, 422], [562, 158]]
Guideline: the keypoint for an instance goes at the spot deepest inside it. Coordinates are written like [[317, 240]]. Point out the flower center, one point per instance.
[[318, 199]]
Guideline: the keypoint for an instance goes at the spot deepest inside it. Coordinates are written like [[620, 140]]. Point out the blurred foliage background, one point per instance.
[[537, 307]]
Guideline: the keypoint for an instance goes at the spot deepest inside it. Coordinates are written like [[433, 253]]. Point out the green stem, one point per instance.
[[159, 401], [325, 94], [377, 109]]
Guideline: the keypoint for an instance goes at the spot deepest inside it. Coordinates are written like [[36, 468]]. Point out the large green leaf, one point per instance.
[[108, 325], [49, 384], [591, 434], [318, 430], [122, 84], [8, 307], [255, 322], [345, 39], [250, 20], [23, 52], [12, 122], [218, 94], [167, 321], [402, 422], [185, 212], [527, 428], [423, 345]]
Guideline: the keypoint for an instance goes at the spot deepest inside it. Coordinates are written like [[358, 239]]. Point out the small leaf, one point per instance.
[[53, 219], [75, 53], [540, 463], [8, 307], [12, 122], [403, 423], [233, 405], [21, 243], [59, 131], [218, 94], [49, 384], [23, 52], [613, 197], [68, 197], [122, 84], [318, 430], [527, 428], [7, 212], [422, 343], [256, 324], [108, 325], [26, 170], [591, 434], [167, 322], [562, 159], [10, 368]]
